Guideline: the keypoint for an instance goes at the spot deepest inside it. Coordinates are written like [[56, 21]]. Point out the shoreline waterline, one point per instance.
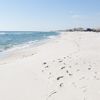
[[5, 54]]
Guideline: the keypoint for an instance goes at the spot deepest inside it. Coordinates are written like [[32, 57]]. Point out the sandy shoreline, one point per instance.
[[64, 68], [25, 50]]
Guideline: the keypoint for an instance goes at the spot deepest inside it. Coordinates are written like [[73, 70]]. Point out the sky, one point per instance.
[[48, 15]]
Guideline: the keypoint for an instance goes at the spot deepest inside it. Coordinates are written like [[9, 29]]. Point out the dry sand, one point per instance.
[[65, 68]]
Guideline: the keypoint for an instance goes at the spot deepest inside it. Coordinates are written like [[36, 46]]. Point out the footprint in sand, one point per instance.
[[63, 67], [51, 94], [58, 78], [61, 85], [78, 70], [46, 66], [44, 63]]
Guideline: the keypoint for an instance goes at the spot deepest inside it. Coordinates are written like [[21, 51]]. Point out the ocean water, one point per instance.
[[11, 39]]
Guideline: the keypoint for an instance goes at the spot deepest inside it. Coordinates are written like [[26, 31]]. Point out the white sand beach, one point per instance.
[[65, 68]]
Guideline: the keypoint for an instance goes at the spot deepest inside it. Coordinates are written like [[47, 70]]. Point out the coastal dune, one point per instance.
[[66, 67]]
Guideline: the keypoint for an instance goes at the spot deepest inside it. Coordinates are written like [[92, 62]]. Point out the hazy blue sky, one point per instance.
[[48, 14]]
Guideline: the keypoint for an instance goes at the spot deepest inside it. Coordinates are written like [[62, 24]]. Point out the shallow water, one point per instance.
[[13, 38]]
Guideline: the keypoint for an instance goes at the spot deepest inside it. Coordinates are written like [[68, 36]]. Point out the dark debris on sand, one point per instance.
[[66, 65], [58, 78]]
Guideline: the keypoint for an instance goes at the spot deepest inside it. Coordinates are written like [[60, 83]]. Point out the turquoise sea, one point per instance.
[[10, 39]]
